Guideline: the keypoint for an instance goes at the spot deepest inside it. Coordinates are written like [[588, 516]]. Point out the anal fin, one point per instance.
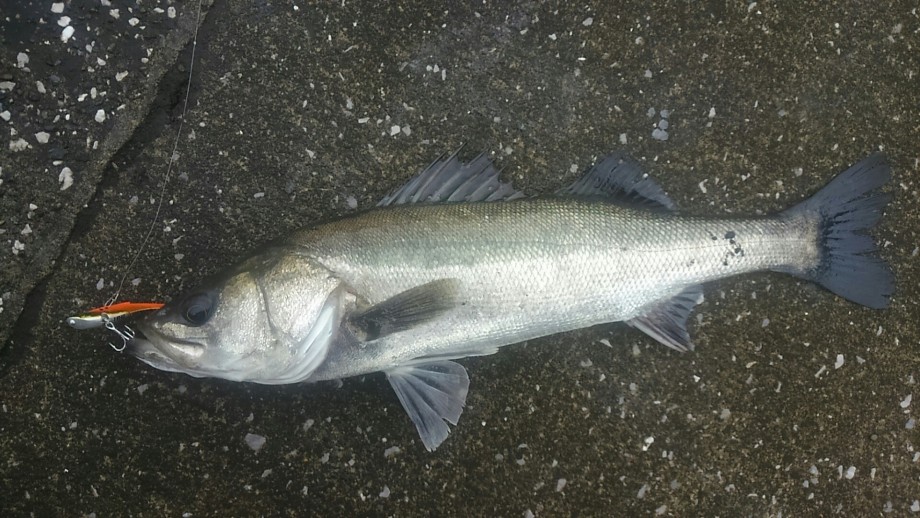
[[666, 321], [433, 394]]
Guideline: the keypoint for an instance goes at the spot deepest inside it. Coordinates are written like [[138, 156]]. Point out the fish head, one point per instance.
[[270, 320]]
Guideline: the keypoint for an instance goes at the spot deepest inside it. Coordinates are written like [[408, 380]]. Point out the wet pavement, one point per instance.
[[794, 403]]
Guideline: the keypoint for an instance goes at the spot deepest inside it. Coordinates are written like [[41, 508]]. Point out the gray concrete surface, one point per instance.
[[795, 402]]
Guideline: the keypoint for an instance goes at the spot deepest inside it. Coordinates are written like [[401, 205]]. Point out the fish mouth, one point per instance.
[[144, 348], [153, 348]]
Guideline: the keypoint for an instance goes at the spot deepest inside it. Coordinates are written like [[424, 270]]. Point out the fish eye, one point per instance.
[[197, 309]]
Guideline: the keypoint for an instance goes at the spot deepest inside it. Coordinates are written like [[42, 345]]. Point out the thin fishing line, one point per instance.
[[172, 160]]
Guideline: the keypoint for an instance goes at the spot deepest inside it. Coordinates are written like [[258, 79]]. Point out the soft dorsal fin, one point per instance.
[[431, 394], [450, 180], [620, 178], [666, 321]]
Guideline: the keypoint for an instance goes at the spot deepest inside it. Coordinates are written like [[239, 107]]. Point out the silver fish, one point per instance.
[[457, 264]]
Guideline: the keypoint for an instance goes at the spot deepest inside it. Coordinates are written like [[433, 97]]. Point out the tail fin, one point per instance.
[[847, 207]]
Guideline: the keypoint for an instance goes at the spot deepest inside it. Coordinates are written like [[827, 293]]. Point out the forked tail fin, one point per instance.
[[847, 207]]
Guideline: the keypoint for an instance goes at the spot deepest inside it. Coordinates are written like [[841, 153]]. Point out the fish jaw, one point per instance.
[[154, 345], [145, 351]]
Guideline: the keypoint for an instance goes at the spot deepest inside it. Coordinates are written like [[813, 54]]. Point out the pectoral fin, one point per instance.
[[666, 321], [433, 395], [405, 310]]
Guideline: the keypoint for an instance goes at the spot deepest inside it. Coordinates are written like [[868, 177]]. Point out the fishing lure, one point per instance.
[[106, 316], [97, 317]]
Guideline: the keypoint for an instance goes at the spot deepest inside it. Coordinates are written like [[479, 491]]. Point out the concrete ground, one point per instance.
[[794, 403]]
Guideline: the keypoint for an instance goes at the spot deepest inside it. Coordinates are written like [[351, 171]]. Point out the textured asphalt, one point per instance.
[[794, 403]]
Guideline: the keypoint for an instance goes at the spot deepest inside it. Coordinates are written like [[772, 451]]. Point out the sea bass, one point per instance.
[[456, 264]]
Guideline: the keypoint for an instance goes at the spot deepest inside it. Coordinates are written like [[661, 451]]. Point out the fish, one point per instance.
[[457, 263]]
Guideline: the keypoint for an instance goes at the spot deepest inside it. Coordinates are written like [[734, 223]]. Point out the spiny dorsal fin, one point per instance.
[[450, 180], [620, 179], [666, 321], [405, 310]]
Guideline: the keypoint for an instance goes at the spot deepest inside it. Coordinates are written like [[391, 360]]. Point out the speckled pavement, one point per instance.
[[794, 403]]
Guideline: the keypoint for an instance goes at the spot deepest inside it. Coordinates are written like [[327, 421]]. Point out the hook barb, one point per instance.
[[126, 334]]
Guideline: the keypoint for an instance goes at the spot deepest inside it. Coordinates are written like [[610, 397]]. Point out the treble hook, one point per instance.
[[126, 336]]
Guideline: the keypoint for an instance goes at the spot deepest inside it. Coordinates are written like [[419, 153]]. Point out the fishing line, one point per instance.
[[107, 314], [173, 158]]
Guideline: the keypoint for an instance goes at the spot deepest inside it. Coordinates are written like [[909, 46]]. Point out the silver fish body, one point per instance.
[[457, 264], [534, 267]]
